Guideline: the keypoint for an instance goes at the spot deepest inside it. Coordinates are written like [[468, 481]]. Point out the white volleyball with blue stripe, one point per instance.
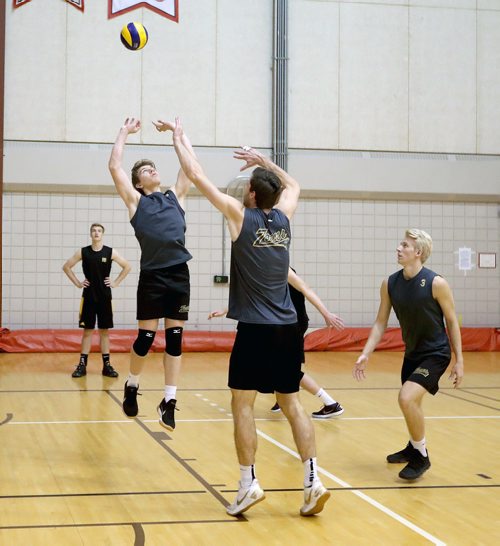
[[134, 36]]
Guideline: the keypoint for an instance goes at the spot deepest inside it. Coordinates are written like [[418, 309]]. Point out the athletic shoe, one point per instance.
[[416, 467], [166, 413], [328, 411], [130, 407], [402, 456], [109, 371], [276, 408], [246, 498], [315, 498], [80, 370]]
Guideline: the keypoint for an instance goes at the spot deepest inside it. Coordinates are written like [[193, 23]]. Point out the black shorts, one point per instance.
[[266, 358], [426, 371], [90, 309], [164, 293]]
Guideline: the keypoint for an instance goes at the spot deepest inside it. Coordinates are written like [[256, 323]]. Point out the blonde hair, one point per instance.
[[423, 242]]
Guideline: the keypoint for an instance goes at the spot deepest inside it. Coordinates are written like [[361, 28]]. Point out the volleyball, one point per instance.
[[134, 36]]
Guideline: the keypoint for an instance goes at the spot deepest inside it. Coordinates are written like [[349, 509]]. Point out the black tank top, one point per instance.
[[299, 302], [96, 265], [160, 228], [419, 314]]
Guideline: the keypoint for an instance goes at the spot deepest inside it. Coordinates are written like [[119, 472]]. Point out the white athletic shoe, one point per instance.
[[315, 498], [246, 498]]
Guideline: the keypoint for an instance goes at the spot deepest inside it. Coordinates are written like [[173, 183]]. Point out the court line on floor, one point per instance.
[[230, 420], [358, 493]]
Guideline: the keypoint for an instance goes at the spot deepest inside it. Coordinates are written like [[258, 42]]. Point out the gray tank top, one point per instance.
[[160, 228], [419, 314], [258, 291]]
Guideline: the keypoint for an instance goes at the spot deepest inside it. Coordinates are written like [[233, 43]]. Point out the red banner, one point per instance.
[[166, 8], [79, 4]]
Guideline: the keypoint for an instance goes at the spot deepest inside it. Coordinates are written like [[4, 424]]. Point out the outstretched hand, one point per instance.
[[162, 126], [132, 125], [218, 313], [358, 371], [334, 321], [250, 156]]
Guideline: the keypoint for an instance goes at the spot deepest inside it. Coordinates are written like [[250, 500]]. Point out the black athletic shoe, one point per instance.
[[130, 407], [402, 456], [109, 371], [328, 411], [276, 408], [80, 370], [166, 413], [416, 467]]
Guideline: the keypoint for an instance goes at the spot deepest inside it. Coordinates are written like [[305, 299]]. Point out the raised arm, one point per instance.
[[442, 293], [230, 207], [299, 284], [291, 189], [183, 183], [376, 333], [122, 182], [123, 263]]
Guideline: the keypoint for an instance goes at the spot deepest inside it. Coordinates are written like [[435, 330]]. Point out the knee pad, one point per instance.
[[173, 340], [143, 342]]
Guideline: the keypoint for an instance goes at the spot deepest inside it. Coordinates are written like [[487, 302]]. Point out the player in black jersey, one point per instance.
[[422, 301], [164, 288], [96, 298], [266, 353]]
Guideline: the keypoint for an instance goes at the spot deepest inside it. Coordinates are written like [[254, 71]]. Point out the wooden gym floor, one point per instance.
[[75, 471]]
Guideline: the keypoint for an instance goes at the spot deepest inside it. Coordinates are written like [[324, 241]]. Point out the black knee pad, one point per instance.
[[173, 340], [143, 342]]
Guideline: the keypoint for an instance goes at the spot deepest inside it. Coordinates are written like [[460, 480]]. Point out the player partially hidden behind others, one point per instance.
[[421, 299], [96, 297]]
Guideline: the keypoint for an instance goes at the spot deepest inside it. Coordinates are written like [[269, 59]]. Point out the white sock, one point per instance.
[[247, 475], [170, 392], [310, 471], [420, 446], [133, 380], [325, 397]]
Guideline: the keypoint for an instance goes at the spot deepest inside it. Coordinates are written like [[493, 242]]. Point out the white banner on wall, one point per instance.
[[167, 8]]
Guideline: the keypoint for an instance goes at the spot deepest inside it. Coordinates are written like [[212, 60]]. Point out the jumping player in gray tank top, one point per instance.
[[164, 289], [266, 355]]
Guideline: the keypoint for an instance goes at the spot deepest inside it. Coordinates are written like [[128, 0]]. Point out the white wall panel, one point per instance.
[[103, 77], [244, 73], [488, 82], [313, 74], [373, 77], [179, 72], [452, 4], [442, 80], [35, 68]]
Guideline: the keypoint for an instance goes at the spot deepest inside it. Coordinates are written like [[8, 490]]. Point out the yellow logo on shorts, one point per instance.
[[184, 309], [422, 371]]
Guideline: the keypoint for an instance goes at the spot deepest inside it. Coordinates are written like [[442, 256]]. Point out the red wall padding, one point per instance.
[[325, 339]]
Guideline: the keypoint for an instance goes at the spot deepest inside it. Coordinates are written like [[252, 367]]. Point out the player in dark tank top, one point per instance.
[[164, 285], [266, 354], [96, 297], [423, 302]]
